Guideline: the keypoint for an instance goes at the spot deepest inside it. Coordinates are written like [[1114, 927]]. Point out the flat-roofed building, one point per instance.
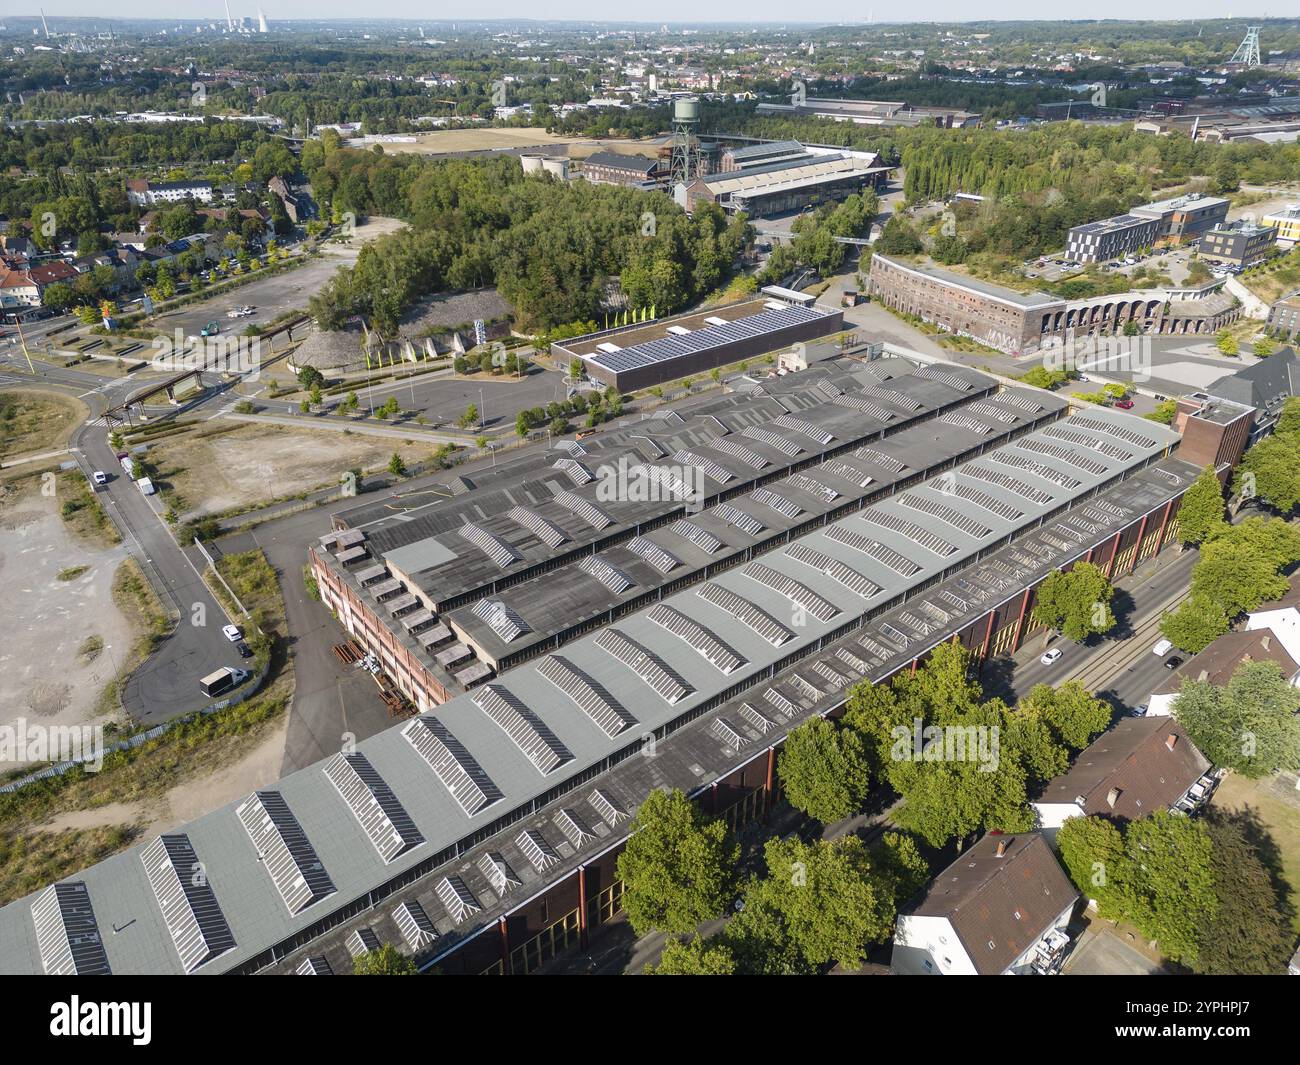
[[876, 112], [1183, 219], [1286, 222], [1284, 317], [1111, 238], [1239, 243]]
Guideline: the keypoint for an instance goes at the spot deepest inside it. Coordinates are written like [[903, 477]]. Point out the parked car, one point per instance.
[[1050, 656], [1173, 662], [244, 650], [232, 633], [1162, 648], [99, 478], [1124, 404]]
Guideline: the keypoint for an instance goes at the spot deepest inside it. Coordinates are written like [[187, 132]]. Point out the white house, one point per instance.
[[1283, 617], [1000, 909]]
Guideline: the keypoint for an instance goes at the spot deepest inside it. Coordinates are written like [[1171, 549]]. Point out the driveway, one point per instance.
[[1102, 952]]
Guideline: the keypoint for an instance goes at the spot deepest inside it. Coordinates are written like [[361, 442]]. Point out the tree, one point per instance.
[[1196, 624], [1200, 517], [1249, 725], [1092, 851], [309, 377], [470, 417], [1250, 933], [823, 770], [1075, 603], [1270, 470], [677, 867], [386, 961], [1236, 575], [820, 903], [522, 424], [1074, 715], [396, 466], [1164, 412], [694, 957], [1227, 343]]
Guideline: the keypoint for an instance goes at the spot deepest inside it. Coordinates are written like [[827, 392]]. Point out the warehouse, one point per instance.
[[876, 112], [652, 353], [483, 839], [785, 185]]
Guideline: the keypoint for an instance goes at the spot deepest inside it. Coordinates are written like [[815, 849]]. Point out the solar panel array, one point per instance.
[[1019, 462], [530, 733], [1011, 484], [746, 523], [382, 818], [962, 421], [189, 907], [920, 536], [452, 764], [674, 346], [798, 593], [455, 894], [547, 531], [807, 428], [778, 503], [883, 554], [705, 641], [67, 934], [742, 610], [982, 499], [782, 444], [663, 561], [881, 459], [1082, 439], [288, 856], [504, 621], [890, 395], [952, 380], [589, 696], [864, 406], [739, 451], [708, 467], [414, 924], [610, 576], [662, 678], [1043, 447], [497, 550], [853, 580], [576, 471], [1119, 431], [700, 537], [950, 515], [812, 486]]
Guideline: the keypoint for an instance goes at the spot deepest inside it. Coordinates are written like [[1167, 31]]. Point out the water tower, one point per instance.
[[686, 143]]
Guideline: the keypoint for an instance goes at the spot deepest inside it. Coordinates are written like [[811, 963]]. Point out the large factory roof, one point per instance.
[[760, 180], [426, 792]]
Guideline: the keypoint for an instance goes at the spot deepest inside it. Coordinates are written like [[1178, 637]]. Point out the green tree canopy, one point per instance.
[[1076, 603], [386, 961], [1200, 517], [694, 957], [1249, 725], [824, 770]]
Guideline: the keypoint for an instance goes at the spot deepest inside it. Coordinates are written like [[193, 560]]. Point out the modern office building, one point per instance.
[[1284, 317], [1287, 224], [1111, 238], [1185, 218], [1240, 244]]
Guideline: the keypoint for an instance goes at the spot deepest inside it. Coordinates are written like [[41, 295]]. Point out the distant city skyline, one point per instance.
[[764, 12]]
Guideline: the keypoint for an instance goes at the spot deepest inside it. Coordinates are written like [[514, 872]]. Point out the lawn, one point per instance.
[[34, 421], [1276, 802]]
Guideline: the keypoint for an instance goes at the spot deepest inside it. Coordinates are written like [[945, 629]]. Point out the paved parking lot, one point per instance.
[[1102, 952]]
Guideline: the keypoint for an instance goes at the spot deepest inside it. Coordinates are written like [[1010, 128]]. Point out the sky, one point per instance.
[[770, 11]]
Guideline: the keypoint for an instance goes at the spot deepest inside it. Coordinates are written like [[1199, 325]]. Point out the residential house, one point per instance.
[[1216, 664], [1000, 909], [143, 193], [1282, 618]]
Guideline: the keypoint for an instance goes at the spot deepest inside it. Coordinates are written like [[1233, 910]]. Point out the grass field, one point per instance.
[[1276, 278], [33, 421], [447, 141], [1277, 803]]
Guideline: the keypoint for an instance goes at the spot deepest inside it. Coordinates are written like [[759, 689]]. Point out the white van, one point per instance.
[[146, 486], [1162, 648]]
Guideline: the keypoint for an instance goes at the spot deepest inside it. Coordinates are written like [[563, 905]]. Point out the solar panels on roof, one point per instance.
[[778, 503], [498, 872], [663, 561], [497, 550], [742, 610], [703, 640], [286, 853], [1119, 431], [610, 576], [797, 592], [189, 907], [530, 733], [856, 582], [1011, 484], [455, 894], [1020, 462], [881, 459], [740, 451], [540, 854], [920, 536], [382, 818], [701, 538], [588, 695], [708, 467], [414, 924], [799, 425], [952, 380], [782, 444], [662, 678], [951, 515], [584, 509], [67, 934], [547, 531], [890, 395], [500, 618], [864, 406], [1082, 439], [453, 765], [813, 487], [883, 554], [1044, 447], [746, 523]]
